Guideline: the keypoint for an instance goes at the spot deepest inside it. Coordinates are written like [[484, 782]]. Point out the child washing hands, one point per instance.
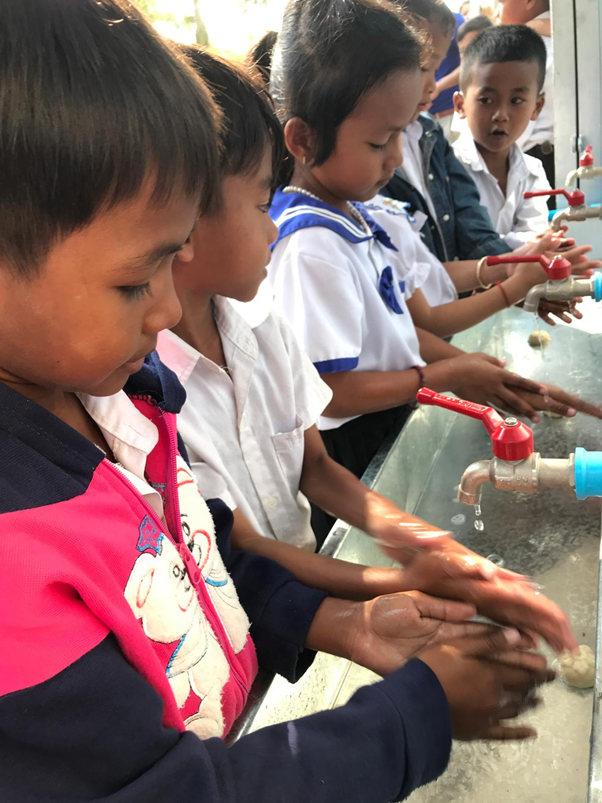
[[337, 275], [275, 457]]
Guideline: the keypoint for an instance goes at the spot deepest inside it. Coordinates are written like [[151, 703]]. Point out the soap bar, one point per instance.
[[578, 670], [539, 339]]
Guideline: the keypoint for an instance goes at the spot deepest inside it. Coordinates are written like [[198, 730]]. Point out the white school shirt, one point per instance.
[[413, 165], [515, 219], [130, 436], [244, 433], [337, 286], [404, 231]]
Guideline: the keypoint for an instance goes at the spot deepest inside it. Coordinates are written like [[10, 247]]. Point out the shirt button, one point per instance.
[[271, 503], [431, 176], [447, 179], [446, 218]]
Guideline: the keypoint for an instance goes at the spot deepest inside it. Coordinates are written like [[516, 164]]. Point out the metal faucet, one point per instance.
[[561, 286], [576, 211], [515, 466], [586, 169]]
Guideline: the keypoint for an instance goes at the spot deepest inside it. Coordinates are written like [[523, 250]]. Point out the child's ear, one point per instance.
[[459, 105], [541, 99], [300, 139]]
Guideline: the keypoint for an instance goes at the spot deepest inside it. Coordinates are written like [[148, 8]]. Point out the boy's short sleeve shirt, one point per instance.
[[516, 219], [244, 429], [344, 291]]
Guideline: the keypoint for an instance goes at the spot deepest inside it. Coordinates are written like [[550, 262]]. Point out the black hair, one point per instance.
[[249, 122], [433, 11], [329, 53], [474, 25], [93, 103], [261, 54], [501, 44]]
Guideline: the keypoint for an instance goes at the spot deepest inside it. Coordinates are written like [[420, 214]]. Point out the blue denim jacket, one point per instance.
[[463, 229]]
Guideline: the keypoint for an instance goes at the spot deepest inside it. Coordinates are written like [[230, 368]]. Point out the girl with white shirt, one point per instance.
[[340, 276], [253, 397]]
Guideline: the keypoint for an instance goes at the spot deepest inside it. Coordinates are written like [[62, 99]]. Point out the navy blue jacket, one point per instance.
[[463, 229], [95, 730]]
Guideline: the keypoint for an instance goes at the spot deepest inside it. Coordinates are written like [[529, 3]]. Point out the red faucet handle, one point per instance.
[[511, 440], [587, 157], [556, 268], [574, 198]]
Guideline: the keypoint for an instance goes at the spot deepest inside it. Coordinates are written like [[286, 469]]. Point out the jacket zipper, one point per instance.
[[217, 626], [174, 503]]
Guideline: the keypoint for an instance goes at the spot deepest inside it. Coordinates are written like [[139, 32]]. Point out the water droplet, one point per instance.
[[477, 510], [459, 519], [456, 488], [537, 588], [497, 559], [478, 525]]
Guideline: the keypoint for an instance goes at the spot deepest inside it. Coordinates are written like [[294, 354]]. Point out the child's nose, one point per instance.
[[272, 232], [501, 113], [395, 155], [167, 310]]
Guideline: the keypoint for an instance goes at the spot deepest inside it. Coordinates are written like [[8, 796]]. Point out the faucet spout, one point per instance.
[[583, 173], [473, 478], [573, 214], [534, 296], [562, 290], [528, 476]]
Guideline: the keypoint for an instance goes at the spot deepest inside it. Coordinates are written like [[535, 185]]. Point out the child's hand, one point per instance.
[[506, 597], [563, 310], [558, 401], [582, 265], [387, 631], [482, 379], [487, 679]]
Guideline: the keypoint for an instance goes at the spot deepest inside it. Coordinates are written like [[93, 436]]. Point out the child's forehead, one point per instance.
[[386, 104], [504, 76]]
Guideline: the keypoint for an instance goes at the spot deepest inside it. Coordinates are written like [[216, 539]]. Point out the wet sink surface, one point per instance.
[[551, 537]]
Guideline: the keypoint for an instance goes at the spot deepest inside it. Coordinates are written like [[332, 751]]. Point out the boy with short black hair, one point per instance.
[[503, 72], [538, 139]]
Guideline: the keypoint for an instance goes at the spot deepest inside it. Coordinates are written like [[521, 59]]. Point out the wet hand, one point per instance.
[[505, 597], [558, 401], [563, 310], [387, 631], [487, 679]]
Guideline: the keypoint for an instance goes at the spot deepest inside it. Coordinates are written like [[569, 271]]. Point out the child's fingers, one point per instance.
[[550, 404], [504, 733], [516, 403], [557, 395], [522, 383]]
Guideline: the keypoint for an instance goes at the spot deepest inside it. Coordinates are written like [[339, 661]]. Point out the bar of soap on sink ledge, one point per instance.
[[578, 669]]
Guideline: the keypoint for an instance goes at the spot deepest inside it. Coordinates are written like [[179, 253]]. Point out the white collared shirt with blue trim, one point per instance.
[[516, 219], [344, 289]]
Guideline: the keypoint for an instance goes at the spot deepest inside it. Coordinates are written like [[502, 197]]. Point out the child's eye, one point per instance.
[[265, 208], [135, 291], [518, 101], [485, 101], [375, 146]]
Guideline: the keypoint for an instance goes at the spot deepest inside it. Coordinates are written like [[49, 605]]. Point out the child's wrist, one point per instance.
[[490, 274], [334, 627]]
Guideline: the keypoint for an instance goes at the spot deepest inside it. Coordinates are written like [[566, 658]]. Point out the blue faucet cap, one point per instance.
[[588, 473], [598, 285]]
